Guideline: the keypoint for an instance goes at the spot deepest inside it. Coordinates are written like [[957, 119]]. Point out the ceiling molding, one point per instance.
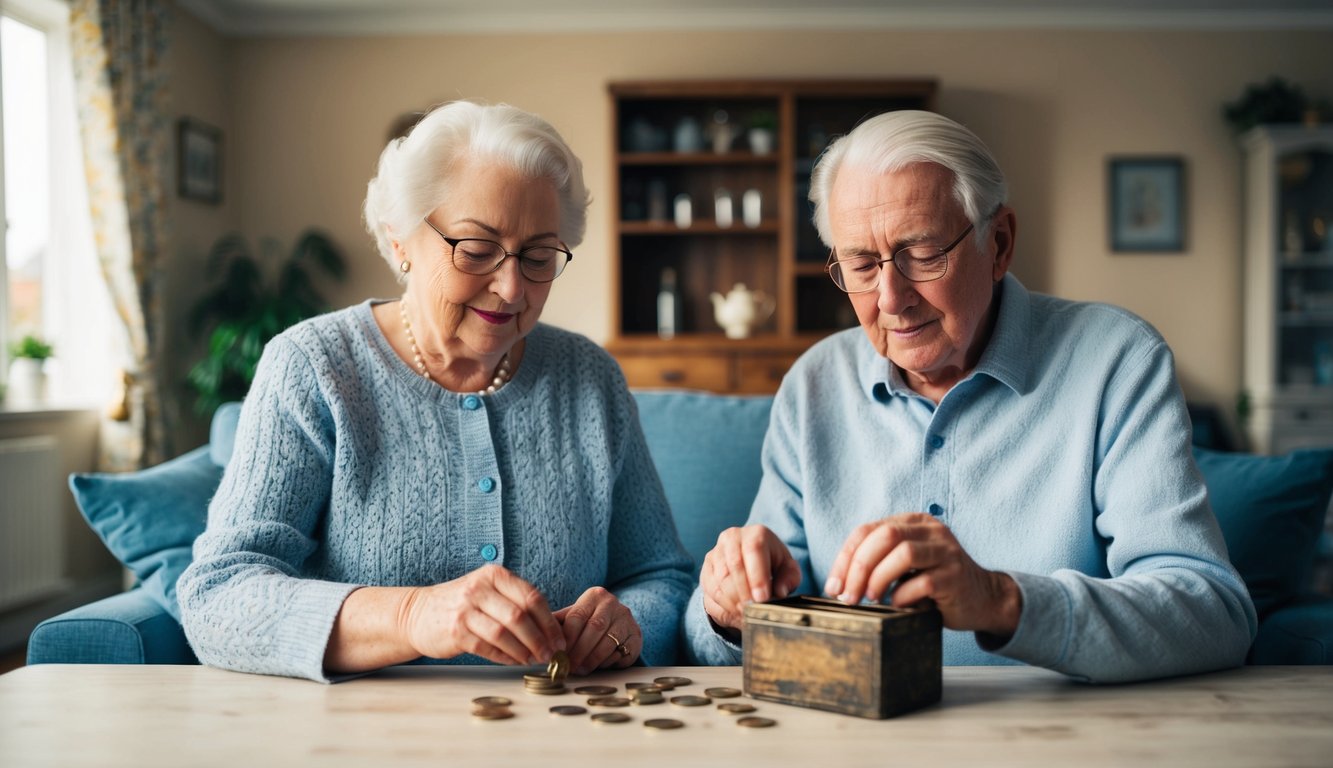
[[373, 18]]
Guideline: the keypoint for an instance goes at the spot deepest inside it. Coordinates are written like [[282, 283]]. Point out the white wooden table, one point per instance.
[[58, 715]]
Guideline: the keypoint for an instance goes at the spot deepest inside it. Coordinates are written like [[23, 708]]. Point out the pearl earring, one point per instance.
[[405, 266]]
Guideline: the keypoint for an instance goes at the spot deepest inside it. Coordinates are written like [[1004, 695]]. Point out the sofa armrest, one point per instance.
[[128, 628], [1300, 632]]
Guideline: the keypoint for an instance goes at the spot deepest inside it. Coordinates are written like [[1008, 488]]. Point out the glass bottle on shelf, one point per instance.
[[668, 305]]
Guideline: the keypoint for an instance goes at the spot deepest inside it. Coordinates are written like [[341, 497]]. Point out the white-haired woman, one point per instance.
[[429, 477]]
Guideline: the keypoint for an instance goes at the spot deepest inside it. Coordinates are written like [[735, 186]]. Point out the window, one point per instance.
[[50, 283]]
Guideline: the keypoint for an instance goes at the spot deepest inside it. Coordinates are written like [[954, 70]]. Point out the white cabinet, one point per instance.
[[1288, 287]]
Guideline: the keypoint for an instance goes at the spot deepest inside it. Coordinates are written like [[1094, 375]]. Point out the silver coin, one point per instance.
[[691, 701], [610, 717], [663, 723], [756, 722]]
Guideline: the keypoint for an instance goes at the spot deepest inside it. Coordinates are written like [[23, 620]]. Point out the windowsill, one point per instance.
[[20, 411]]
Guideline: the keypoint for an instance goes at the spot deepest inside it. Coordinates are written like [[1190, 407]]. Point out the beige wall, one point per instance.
[[308, 117]]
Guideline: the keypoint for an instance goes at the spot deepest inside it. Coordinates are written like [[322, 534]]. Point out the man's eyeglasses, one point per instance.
[[476, 256], [918, 263]]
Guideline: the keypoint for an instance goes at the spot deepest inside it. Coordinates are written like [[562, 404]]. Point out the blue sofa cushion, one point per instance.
[[150, 519], [1271, 511], [706, 448], [128, 628]]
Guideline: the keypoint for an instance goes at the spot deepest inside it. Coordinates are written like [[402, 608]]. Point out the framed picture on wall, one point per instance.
[[1147, 197], [198, 161]]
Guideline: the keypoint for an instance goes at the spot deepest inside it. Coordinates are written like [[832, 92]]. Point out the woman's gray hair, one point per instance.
[[415, 171], [894, 140]]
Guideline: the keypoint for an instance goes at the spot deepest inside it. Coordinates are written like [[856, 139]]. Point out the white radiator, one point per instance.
[[32, 542]]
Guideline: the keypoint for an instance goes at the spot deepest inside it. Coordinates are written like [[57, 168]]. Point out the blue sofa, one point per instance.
[[707, 452]]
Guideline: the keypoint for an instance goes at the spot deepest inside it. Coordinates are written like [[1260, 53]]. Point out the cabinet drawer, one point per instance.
[[761, 374], [708, 372]]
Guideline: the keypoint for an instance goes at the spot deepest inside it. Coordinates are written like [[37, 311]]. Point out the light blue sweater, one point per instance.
[[351, 469], [1063, 459]]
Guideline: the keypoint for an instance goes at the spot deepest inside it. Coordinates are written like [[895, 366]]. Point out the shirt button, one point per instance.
[[486, 485], [488, 552], [472, 402], [936, 442], [935, 509]]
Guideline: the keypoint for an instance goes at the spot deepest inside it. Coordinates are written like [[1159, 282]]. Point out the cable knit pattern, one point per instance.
[[351, 469]]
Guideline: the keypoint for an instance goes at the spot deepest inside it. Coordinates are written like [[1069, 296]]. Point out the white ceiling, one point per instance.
[[399, 17]]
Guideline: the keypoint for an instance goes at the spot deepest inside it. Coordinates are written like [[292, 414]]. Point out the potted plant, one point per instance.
[[27, 369], [245, 311], [763, 130]]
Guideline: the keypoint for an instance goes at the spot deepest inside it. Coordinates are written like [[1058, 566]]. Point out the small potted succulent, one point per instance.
[[763, 130], [27, 370]]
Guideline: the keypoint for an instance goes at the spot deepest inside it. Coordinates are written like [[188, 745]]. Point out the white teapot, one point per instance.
[[741, 310]]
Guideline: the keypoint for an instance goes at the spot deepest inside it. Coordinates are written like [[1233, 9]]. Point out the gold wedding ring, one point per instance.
[[614, 640]]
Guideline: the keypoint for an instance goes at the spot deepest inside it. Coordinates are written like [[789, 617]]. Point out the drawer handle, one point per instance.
[[673, 377]]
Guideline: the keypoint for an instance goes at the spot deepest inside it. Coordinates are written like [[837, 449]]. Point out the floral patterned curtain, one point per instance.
[[120, 82]]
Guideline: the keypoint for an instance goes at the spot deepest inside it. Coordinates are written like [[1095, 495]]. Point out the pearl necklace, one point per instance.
[[502, 372]]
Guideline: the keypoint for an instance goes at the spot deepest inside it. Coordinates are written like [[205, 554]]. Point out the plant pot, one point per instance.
[[761, 140], [27, 382]]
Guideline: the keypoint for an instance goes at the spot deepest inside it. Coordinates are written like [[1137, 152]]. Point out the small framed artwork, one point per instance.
[[1147, 204], [198, 161]]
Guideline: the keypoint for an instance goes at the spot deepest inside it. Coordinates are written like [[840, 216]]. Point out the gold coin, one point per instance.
[[663, 723], [556, 691], [595, 690], [722, 693], [492, 701], [653, 697], [756, 722], [567, 709], [690, 701], [608, 701], [673, 682], [735, 708], [537, 679], [610, 717], [558, 668], [492, 713], [633, 686]]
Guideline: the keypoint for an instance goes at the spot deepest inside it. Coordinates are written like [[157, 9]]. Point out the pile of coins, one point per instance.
[[603, 696], [492, 708], [553, 682]]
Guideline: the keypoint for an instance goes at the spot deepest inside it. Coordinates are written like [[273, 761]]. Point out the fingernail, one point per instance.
[[782, 591], [560, 644], [759, 594], [832, 586], [846, 598]]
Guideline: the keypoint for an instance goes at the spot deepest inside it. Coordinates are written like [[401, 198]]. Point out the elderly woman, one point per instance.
[[427, 477]]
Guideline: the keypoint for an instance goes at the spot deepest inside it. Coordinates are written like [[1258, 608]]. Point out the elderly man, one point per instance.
[[1021, 460]]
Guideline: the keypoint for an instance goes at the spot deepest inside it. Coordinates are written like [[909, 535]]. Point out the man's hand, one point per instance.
[[748, 564], [921, 554]]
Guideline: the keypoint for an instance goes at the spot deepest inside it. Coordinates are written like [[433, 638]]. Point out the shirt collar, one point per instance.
[[1006, 358]]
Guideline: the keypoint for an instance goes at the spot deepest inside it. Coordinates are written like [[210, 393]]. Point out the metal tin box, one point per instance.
[[871, 661]]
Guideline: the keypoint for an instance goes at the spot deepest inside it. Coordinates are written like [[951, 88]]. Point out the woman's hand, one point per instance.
[[748, 564], [600, 632], [490, 612]]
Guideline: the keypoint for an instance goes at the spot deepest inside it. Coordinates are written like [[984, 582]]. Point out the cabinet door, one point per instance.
[[685, 371], [761, 374]]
